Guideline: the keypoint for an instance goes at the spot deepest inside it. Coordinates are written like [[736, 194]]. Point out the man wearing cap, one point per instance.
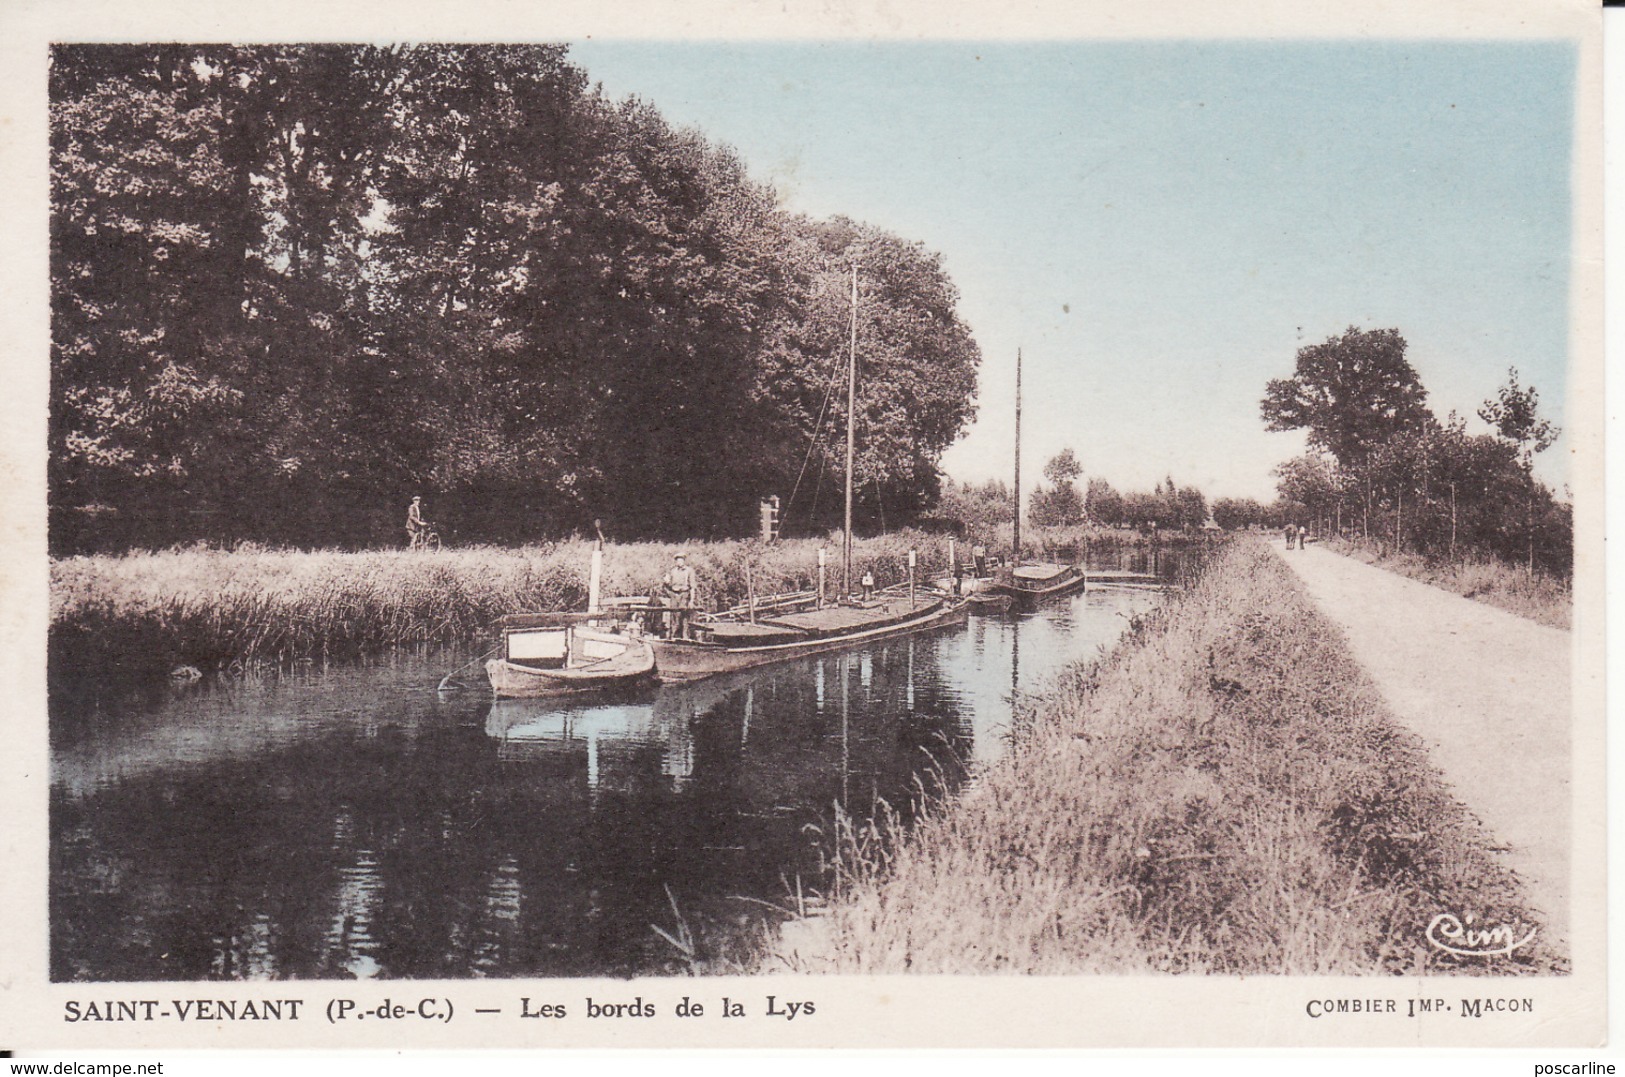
[[679, 585]]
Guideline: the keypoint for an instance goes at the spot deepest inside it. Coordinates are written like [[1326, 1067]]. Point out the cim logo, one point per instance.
[[1449, 933]]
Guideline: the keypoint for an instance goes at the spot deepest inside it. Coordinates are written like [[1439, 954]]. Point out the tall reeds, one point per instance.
[[1224, 792], [209, 608]]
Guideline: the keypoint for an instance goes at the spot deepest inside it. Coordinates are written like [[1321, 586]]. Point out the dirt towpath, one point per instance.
[[1487, 690]]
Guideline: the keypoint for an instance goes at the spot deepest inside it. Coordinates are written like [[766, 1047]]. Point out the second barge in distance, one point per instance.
[[1032, 583]]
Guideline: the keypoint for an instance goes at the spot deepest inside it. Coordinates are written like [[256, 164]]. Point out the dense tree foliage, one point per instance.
[[1514, 413], [1231, 513], [1168, 506], [1351, 393], [1059, 503], [1382, 467], [1103, 503], [293, 286]]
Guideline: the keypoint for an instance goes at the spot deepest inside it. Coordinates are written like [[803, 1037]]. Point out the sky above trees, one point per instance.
[[1161, 226]]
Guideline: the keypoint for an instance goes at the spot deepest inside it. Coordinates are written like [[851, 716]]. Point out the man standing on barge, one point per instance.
[[679, 597]]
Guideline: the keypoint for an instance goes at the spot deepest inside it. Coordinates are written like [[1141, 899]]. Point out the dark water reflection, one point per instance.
[[350, 821]]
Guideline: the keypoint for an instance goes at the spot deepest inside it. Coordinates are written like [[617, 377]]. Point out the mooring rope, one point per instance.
[[446, 682]]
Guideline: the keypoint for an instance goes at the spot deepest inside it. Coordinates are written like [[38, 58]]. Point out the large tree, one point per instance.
[[293, 285], [1350, 393], [916, 371]]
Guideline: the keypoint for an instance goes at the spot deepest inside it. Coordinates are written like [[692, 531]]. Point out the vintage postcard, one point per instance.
[[737, 526]]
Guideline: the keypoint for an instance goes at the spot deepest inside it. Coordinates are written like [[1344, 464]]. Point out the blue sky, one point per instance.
[[1160, 225]]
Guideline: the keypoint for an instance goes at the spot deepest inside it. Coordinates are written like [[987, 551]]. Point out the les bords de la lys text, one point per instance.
[[337, 1010], [340, 1009]]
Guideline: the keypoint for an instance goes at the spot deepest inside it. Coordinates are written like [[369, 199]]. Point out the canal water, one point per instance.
[[351, 821]]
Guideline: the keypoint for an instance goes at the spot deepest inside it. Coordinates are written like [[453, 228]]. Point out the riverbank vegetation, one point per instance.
[[294, 285], [1223, 793], [148, 612], [1541, 597]]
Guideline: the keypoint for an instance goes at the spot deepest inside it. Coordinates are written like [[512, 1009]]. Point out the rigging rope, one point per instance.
[[818, 431]]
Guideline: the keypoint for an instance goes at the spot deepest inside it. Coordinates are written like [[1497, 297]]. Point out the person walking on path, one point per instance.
[[1302, 531], [679, 597]]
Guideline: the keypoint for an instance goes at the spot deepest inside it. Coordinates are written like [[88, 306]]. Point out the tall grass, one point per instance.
[[1224, 793], [1539, 597], [150, 611]]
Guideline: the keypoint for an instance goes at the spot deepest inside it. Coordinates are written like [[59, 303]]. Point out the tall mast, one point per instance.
[[1015, 545], [851, 420]]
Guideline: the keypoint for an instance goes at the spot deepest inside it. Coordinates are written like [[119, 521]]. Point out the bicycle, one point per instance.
[[426, 539]]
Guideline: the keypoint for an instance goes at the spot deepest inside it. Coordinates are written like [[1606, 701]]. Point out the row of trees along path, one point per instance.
[[1382, 466], [1488, 691]]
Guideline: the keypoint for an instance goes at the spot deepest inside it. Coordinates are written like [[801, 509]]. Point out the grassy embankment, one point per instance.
[[148, 612], [1541, 598], [1224, 792]]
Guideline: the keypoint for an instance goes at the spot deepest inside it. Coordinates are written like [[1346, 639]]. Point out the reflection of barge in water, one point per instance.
[[773, 735], [624, 746], [611, 734]]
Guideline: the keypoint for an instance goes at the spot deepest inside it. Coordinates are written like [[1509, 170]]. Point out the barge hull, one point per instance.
[[680, 660]]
